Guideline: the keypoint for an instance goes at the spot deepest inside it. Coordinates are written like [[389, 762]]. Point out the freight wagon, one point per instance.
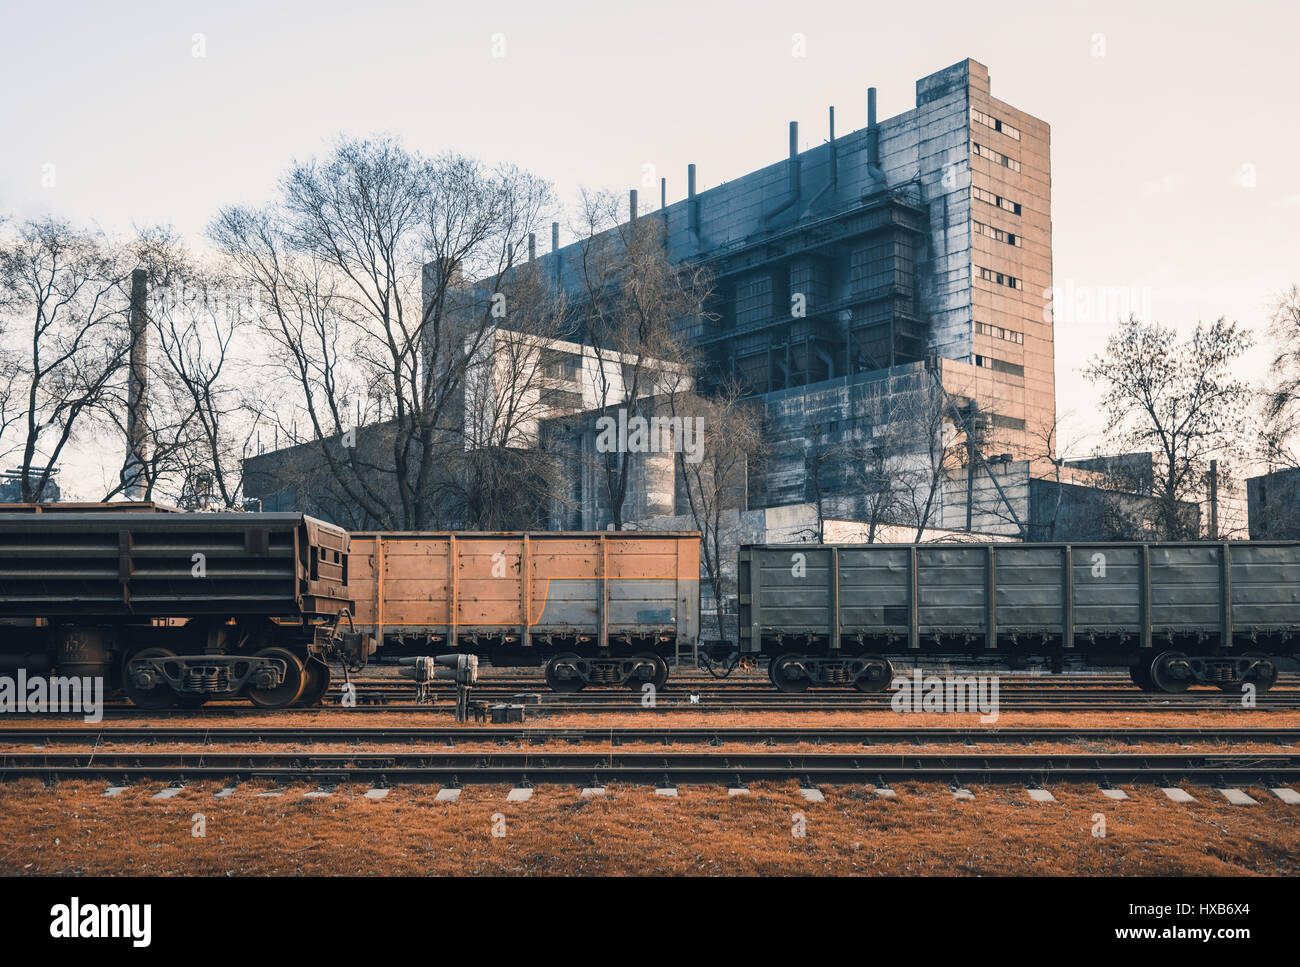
[[602, 608], [177, 608], [1175, 614]]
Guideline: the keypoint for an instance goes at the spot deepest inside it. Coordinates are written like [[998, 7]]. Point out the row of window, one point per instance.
[[999, 365], [557, 364], [988, 275], [997, 332], [996, 200], [1011, 238], [991, 122], [995, 156]]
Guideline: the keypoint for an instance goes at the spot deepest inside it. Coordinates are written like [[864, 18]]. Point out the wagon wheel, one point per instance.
[[317, 683], [557, 683], [1162, 673], [1264, 675], [661, 671], [865, 683], [1140, 675], [160, 696], [785, 676], [287, 692]]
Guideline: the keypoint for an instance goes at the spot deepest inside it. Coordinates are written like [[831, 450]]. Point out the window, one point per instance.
[[562, 400], [1000, 278], [559, 365], [997, 332], [1000, 366], [996, 200], [995, 156], [1007, 422], [1011, 238], [979, 117]]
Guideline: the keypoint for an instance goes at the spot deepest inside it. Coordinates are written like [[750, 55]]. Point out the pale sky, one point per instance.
[[1175, 153]]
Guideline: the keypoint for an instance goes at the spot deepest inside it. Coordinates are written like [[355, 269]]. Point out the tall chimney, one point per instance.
[[794, 157], [835, 167], [692, 207], [873, 140], [631, 206], [137, 398], [532, 246]]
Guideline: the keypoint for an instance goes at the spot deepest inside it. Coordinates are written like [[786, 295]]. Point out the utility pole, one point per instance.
[[970, 468]]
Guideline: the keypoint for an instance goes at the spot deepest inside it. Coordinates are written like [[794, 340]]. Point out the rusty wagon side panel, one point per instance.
[[528, 590]]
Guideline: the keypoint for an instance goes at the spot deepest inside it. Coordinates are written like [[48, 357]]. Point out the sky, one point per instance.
[[1175, 126]]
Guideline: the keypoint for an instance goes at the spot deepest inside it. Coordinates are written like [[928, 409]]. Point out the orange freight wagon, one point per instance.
[[604, 607]]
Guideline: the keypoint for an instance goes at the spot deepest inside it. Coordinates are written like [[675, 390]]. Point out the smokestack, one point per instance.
[[692, 207], [137, 399], [532, 246], [794, 157], [792, 169], [873, 140], [631, 205], [835, 167], [663, 193]]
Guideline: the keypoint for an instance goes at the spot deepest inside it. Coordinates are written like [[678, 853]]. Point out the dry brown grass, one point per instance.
[[75, 830]]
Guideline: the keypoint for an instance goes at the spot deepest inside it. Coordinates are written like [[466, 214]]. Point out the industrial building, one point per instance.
[[887, 291], [905, 259]]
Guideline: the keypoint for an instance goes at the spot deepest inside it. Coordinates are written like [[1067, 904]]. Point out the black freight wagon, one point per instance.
[[1175, 614], [177, 607]]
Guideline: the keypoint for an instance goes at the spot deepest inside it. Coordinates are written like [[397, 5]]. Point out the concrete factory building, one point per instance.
[[884, 295], [906, 259]]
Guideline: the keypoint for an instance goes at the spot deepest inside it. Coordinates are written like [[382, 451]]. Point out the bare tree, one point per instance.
[[1178, 400], [521, 376], [338, 262], [65, 296], [928, 416], [822, 458], [197, 321], [1282, 391], [878, 474], [728, 447], [633, 300]]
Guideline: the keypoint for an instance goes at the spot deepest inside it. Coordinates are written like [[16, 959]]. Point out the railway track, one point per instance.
[[379, 691], [709, 702], [99, 737], [525, 769]]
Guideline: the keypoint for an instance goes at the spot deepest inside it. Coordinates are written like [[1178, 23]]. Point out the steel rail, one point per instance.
[[713, 704], [784, 735], [451, 768]]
